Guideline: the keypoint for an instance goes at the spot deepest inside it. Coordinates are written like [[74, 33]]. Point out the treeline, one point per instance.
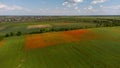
[[44, 30], [19, 33], [56, 29], [107, 22]]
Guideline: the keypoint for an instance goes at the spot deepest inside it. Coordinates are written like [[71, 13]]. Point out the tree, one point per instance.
[[7, 35], [18, 33], [11, 34]]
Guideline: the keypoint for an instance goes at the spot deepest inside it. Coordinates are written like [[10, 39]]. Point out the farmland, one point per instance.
[[60, 42]]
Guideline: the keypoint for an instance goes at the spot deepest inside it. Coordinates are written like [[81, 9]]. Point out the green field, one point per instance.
[[102, 52]]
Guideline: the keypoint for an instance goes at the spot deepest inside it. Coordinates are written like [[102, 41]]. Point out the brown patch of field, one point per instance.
[[39, 26], [54, 38], [1, 28], [115, 40], [1, 42]]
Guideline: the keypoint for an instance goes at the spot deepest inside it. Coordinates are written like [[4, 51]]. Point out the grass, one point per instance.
[[94, 53], [11, 52]]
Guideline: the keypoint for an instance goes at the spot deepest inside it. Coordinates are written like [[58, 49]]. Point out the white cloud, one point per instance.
[[101, 6], [2, 6], [103, 10], [76, 8], [73, 1], [98, 1], [115, 7], [10, 7], [90, 8], [77, 1], [72, 4]]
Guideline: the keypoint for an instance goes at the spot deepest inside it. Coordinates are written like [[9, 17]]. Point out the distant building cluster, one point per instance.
[[4, 19], [18, 18]]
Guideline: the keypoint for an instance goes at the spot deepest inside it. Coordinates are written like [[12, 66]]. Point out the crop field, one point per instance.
[[82, 48], [60, 42], [60, 34]]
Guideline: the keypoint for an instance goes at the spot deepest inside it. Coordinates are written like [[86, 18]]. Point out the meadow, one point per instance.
[[81, 45]]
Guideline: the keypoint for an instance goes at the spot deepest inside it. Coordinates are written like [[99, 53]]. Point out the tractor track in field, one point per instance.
[[21, 61]]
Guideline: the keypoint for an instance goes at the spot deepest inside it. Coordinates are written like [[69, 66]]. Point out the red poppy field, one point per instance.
[[55, 38]]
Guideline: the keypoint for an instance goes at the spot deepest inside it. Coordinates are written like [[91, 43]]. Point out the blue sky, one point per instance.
[[59, 7]]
